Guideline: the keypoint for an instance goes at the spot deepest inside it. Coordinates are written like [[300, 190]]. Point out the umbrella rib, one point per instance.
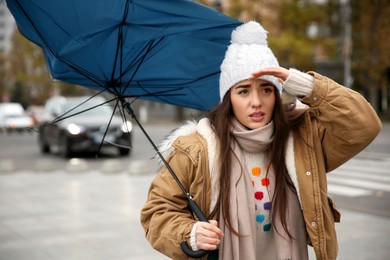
[[119, 47], [124, 119], [63, 116], [119, 52], [149, 47], [152, 44], [123, 72], [108, 126], [157, 95]]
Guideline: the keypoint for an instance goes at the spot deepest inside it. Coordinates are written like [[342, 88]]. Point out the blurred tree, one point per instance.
[[371, 50], [296, 28], [2, 76], [312, 34], [28, 81], [235, 9]]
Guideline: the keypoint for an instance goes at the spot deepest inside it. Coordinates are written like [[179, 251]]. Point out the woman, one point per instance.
[[256, 167]]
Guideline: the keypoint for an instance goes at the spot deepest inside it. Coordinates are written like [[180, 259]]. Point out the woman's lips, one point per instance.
[[257, 117]]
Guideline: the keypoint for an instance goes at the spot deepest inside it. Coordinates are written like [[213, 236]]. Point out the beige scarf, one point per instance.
[[242, 211]]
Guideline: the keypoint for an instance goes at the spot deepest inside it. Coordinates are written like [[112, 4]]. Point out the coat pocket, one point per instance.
[[333, 208]]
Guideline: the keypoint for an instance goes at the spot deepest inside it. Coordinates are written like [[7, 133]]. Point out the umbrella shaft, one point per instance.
[[192, 204]]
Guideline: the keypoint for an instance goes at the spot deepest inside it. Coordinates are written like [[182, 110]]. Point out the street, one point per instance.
[[23, 149], [52, 208]]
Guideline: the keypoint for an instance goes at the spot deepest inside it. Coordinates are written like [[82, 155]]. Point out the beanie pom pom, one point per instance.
[[250, 33]]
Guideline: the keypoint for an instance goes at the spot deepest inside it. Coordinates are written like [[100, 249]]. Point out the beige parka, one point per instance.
[[338, 125]]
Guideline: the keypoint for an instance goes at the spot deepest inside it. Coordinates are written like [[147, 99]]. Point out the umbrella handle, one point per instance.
[[184, 246], [191, 253]]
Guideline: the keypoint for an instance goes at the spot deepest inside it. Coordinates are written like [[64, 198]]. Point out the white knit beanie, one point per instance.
[[248, 51]]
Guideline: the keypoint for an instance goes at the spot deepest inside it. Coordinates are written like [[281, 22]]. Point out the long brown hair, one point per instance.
[[221, 121]]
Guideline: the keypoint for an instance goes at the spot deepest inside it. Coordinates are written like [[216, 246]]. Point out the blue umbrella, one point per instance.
[[159, 50], [167, 51]]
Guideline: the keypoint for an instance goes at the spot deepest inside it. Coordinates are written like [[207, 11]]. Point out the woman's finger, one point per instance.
[[208, 230], [208, 240], [208, 235], [280, 73], [207, 243], [213, 227], [205, 246]]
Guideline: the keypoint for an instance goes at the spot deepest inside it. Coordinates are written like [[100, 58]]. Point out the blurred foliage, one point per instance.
[[371, 43], [2, 74], [235, 9], [289, 23], [26, 76]]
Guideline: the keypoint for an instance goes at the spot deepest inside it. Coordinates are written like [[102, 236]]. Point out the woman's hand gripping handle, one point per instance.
[[207, 234]]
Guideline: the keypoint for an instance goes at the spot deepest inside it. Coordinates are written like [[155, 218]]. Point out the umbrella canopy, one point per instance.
[[167, 51]]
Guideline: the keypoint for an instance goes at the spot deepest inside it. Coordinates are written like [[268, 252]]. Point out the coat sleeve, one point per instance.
[[165, 217], [346, 122]]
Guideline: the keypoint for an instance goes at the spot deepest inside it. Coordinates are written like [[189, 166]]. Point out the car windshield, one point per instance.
[[75, 106]]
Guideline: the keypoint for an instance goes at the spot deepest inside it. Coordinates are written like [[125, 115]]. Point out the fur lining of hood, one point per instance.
[[165, 147], [202, 127]]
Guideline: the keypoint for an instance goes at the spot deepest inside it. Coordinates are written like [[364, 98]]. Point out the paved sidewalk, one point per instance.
[[70, 216], [94, 216]]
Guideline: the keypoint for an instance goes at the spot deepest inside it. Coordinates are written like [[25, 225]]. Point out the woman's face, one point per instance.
[[253, 102]]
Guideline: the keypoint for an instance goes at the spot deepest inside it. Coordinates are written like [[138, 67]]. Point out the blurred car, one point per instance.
[[84, 131], [13, 118]]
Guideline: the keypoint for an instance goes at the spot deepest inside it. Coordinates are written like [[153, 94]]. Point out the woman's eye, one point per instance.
[[243, 92], [266, 91]]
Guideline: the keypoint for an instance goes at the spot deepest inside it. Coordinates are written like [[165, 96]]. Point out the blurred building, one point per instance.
[[7, 24]]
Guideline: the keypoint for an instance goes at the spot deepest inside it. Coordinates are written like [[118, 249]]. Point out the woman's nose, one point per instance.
[[256, 99]]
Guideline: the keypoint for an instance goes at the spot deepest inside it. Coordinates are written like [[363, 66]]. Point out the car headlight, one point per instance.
[[127, 127], [74, 129]]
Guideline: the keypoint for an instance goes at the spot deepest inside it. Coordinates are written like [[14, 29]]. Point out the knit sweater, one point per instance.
[[263, 188]]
